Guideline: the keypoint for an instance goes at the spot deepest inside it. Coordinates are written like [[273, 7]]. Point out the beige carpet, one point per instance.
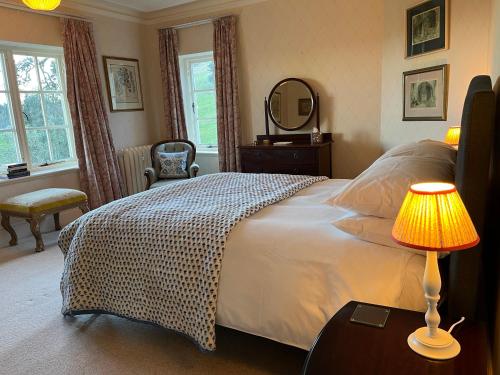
[[36, 339]]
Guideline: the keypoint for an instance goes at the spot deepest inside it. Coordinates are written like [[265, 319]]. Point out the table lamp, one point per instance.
[[453, 136], [434, 218]]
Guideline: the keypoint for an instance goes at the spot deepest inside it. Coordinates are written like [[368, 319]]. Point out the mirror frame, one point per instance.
[[313, 108]]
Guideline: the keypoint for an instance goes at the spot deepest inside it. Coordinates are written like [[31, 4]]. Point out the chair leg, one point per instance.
[[35, 230], [8, 228], [84, 207], [57, 223]]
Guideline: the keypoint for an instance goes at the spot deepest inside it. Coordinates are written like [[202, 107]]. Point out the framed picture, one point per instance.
[[124, 84], [305, 107], [425, 94], [427, 28]]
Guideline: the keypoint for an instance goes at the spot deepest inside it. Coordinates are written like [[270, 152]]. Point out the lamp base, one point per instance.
[[442, 346]]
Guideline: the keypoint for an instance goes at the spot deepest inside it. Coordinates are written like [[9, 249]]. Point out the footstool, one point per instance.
[[35, 205]]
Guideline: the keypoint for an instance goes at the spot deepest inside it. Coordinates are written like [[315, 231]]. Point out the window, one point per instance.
[[35, 126], [198, 87]]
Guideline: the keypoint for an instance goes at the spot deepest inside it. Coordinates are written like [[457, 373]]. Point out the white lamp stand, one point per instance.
[[431, 341]]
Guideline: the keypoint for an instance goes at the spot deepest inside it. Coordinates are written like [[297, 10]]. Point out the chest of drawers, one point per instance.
[[298, 158]]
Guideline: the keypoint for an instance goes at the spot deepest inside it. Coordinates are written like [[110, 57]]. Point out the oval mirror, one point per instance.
[[291, 104]]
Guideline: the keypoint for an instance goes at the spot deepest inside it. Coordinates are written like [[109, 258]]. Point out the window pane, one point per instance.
[[203, 75], [208, 132], [60, 144], [26, 73], [8, 148], [205, 105], [54, 109], [49, 73], [32, 108], [38, 145], [5, 118], [3, 85]]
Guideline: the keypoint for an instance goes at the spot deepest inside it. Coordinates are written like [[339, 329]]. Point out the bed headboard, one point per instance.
[[466, 295]]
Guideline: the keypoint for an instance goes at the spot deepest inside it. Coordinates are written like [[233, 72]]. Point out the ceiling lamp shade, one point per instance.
[[453, 136], [46, 5]]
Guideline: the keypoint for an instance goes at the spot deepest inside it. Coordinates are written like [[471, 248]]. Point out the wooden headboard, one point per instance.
[[466, 289]]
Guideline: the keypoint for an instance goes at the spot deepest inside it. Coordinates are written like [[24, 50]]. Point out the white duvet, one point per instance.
[[287, 270]]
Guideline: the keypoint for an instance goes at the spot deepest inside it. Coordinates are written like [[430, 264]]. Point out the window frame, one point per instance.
[[8, 50], [188, 95]]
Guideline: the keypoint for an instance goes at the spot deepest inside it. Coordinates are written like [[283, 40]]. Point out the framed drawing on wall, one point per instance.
[[425, 94], [123, 81], [427, 28]]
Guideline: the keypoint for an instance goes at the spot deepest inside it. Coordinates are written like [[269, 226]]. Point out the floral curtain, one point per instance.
[[99, 172], [171, 81], [228, 112]]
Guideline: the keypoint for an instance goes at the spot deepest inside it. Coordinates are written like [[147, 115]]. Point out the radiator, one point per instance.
[[133, 161]]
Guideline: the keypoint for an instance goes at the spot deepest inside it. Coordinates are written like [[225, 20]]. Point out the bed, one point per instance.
[[275, 267]]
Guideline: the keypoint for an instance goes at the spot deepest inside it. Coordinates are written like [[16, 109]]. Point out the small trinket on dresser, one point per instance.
[[266, 142], [316, 136]]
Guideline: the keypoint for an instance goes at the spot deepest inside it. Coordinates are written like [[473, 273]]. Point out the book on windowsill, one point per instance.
[[18, 166], [18, 174]]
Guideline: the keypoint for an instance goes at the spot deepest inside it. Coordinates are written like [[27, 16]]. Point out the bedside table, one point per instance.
[[343, 347]]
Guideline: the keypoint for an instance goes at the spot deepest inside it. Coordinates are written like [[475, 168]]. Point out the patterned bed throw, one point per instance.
[[156, 256]]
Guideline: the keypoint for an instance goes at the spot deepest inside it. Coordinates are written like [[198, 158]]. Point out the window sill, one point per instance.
[[207, 152], [39, 174]]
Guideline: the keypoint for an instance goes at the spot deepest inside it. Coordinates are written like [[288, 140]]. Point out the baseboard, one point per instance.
[[23, 230]]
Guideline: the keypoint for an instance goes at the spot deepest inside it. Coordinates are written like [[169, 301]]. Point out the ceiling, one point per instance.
[[149, 5]]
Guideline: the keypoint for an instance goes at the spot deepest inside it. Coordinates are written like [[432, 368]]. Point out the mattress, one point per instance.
[[287, 270]]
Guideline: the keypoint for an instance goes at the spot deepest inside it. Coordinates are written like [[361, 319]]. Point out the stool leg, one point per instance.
[[35, 229], [57, 224], [84, 207], [8, 228]]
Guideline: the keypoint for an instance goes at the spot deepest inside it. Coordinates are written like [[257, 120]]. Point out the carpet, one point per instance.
[[36, 339]]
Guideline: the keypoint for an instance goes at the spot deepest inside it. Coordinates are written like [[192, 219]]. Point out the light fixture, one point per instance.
[[453, 136], [434, 218], [46, 5]]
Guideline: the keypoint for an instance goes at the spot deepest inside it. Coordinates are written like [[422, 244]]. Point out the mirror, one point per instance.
[[291, 104]]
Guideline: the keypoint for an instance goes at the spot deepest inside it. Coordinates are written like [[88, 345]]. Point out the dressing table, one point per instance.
[[291, 106]]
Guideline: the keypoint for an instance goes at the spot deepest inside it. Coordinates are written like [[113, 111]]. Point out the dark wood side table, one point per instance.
[[343, 347]]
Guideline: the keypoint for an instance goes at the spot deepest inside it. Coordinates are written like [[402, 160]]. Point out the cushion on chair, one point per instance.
[[173, 147], [173, 164], [43, 200]]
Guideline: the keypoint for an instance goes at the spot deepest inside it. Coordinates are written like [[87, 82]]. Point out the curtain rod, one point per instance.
[[197, 23], [51, 13]]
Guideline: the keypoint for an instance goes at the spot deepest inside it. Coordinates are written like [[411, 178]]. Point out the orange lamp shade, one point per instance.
[[42, 4], [434, 218], [453, 136]]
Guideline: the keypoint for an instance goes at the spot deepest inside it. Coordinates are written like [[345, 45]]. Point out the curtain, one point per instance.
[[226, 77], [99, 172], [171, 81]]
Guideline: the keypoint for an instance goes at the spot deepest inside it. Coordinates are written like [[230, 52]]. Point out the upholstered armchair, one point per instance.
[[172, 161]]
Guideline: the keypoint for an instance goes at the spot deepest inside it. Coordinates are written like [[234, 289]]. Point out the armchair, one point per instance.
[[153, 174]]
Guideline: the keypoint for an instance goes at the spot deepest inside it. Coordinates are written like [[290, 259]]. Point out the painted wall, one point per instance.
[[468, 55], [335, 45], [113, 38]]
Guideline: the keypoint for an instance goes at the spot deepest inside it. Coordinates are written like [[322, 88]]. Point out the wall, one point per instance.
[[335, 45], [468, 56], [113, 38]]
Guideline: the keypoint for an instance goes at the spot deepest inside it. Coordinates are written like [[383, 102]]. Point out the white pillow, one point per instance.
[[427, 148], [380, 190], [374, 229]]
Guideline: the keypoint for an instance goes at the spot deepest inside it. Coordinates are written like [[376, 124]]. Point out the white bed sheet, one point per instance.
[[287, 270]]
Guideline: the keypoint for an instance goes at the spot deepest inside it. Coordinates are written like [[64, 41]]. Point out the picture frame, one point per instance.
[[305, 107], [427, 28], [425, 94], [124, 86]]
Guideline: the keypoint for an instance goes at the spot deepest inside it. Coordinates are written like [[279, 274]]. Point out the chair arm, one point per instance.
[[151, 177], [193, 170]]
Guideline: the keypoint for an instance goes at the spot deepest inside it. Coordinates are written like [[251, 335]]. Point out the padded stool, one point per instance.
[[35, 205]]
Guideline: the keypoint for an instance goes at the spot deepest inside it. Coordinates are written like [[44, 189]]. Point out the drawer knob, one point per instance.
[[295, 155]]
